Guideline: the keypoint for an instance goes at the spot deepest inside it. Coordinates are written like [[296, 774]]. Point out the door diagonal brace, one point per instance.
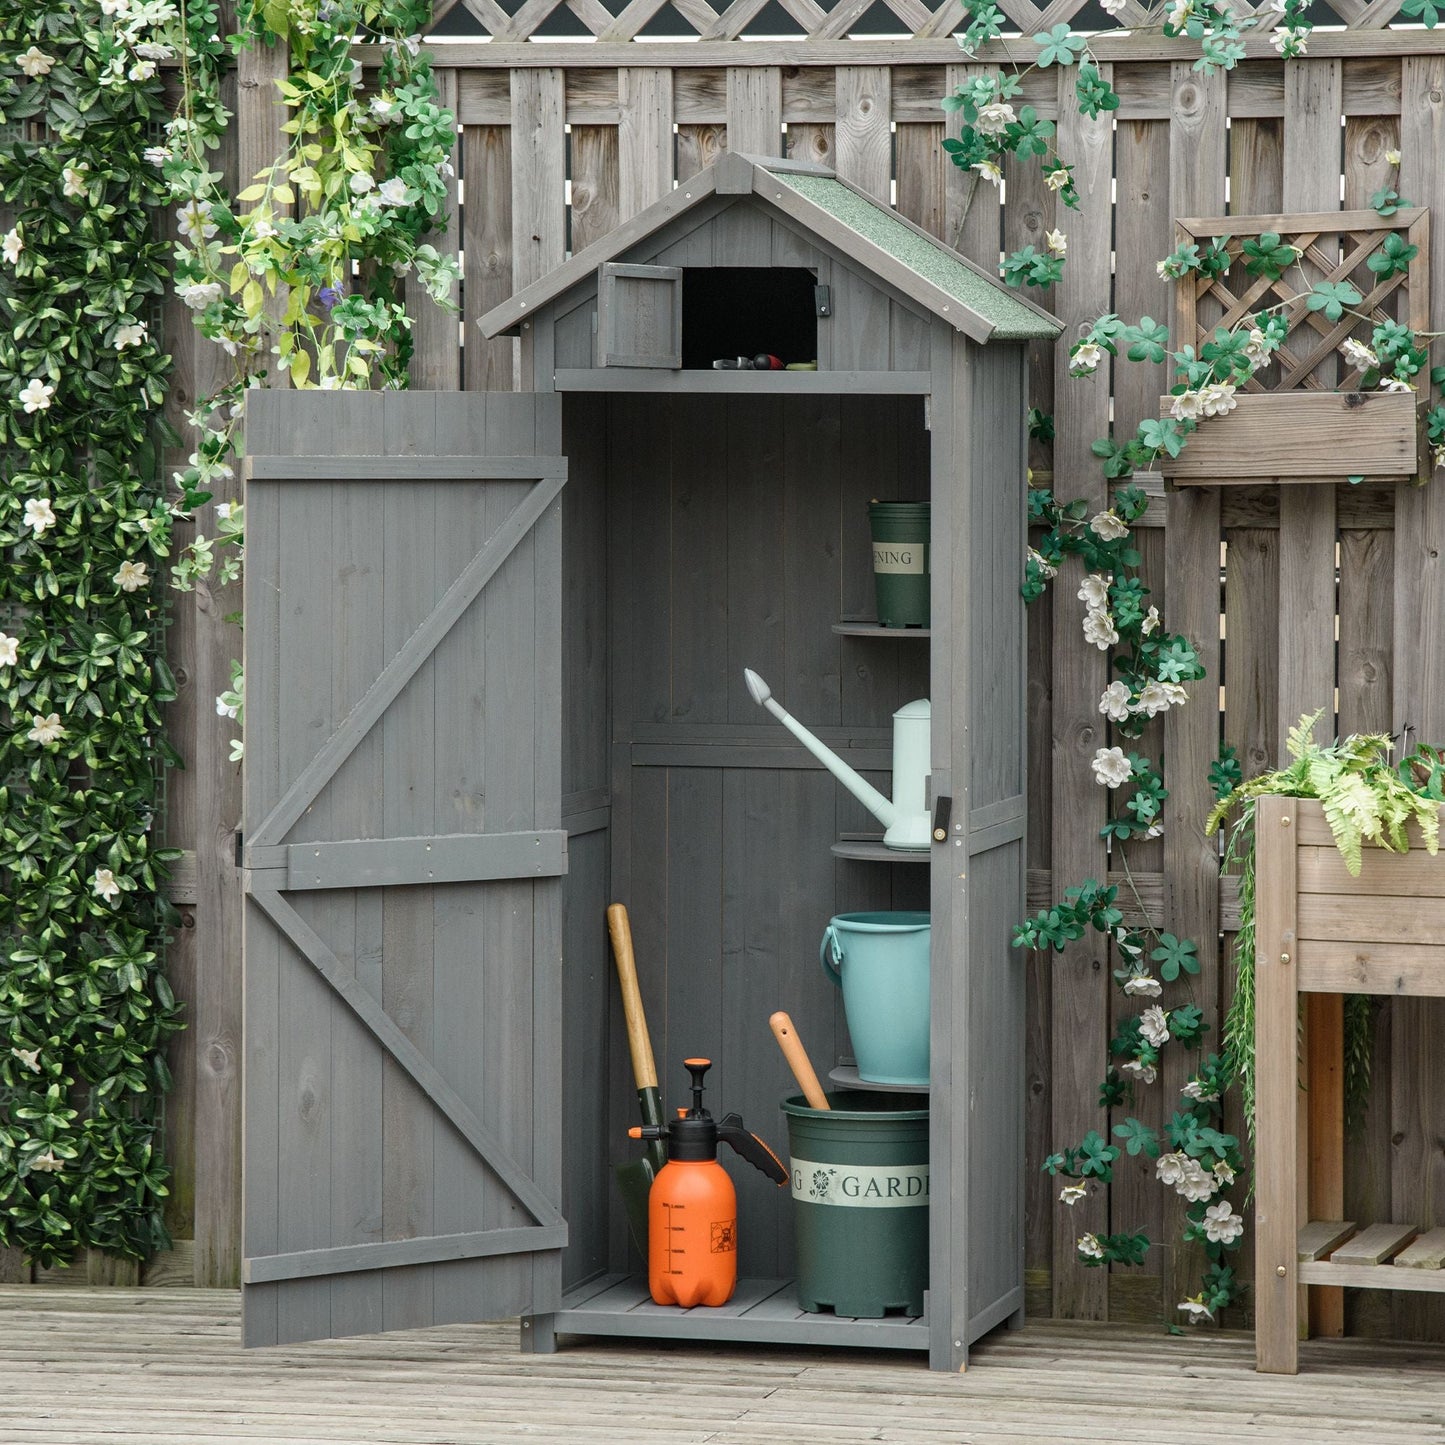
[[423, 1073]]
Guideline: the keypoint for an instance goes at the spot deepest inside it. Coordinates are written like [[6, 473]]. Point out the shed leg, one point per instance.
[[1016, 1320], [539, 1335]]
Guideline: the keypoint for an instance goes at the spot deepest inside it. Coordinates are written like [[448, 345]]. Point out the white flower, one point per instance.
[[1360, 356], [1057, 242], [142, 70], [29, 1057], [46, 729], [39, 515], [1094, 592], [156, 155], [1114, 701], [149, 50], [1046, 568], [1072, 1193], [9, 650], [1179, 14], [46, 1163], [262, 229], [1256, 347], [1154, 830], [1164, 270], [36, 395], [131, 577], [1394, 383], [226, 709], [1141, 983], [199, 294], [1198, 1184], [35, 63], [114, 7], [103, 884], [1152, 699], [131, 334], [1144, 1073], [1221, 1224], [411, 44], [1174, 693], [1196, 1309], [1392, 158], [383, 107], [360, 183], [1187, 406], [1056, 180], [393, 192], [1111, 767], [1222, 1171], [1154, 1025], [224, 510], [1194, 1089], [194, 219], [993, 117], [1169, 1169], [1111, 7], [1099, 630], [1150, 622], [1107, 527], [357, 75], [1125, 940], [74, 180], [12, 244], [989, 171], [1085, 358], [1089, 1247], [1217, 398]]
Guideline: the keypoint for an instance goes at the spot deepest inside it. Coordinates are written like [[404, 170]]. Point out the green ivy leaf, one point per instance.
[[1175, 955], [1332, 297], [1058, 46]]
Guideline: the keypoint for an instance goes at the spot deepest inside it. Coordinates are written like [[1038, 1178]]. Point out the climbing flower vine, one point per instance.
[[85, 1010], [303, 270]]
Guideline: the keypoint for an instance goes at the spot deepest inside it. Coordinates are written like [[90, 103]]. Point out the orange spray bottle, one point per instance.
[[692, 1209]]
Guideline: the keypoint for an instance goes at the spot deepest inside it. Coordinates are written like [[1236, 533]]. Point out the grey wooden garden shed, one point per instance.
[[494, 656]]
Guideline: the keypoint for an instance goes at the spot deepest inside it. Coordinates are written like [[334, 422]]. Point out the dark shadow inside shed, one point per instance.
[[743, 311]]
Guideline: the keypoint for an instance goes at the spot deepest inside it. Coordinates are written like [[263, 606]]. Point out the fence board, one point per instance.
[[1314, 106], [1080, 674], [644, 139], [1191, 734], [864, 137], [487, 235]]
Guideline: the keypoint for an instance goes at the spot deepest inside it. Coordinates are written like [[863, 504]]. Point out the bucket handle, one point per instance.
[[830, 955]]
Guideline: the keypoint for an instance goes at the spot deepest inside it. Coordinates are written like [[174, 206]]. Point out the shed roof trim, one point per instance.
[[879, 240]]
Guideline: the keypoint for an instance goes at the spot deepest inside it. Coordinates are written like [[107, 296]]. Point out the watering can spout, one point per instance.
[[864, 791]]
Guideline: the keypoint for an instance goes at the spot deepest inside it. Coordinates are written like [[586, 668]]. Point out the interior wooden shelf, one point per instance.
[[756, 383], [870, 848], [877, 629], [760, 1311], [846, 1076]]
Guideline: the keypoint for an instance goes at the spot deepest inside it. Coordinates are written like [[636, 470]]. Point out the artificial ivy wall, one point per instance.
[[84, 1008]]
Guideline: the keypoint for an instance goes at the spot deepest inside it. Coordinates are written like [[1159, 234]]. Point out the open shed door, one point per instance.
[[402, 854]]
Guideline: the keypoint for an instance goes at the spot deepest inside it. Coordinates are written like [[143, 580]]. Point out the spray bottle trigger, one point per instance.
[[730, 1130]]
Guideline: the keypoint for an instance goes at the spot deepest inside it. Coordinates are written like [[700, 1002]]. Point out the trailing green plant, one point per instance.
[[1367, 801], [303, 271], [85, 1009]]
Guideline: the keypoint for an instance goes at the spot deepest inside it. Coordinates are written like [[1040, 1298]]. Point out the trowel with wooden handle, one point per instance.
[[635, 1176]]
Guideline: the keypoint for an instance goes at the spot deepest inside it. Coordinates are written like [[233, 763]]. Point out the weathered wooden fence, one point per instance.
[[1299, 598]]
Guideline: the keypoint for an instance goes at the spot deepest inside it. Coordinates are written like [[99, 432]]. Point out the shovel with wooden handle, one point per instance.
[[798, 1061], [635, 1176]]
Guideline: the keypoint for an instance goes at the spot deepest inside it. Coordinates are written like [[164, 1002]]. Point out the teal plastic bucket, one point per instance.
[[860, 1203], [880, 960], [900, 562]]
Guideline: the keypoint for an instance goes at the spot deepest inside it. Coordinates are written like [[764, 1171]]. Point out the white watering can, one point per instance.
[[906, 816]]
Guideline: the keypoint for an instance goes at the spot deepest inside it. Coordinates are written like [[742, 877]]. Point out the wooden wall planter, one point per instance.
[[1299, 436], [1319, 930]]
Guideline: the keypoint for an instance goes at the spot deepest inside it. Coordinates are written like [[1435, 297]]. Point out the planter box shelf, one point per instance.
[[870, 848], [1319, 930], [876, 629]]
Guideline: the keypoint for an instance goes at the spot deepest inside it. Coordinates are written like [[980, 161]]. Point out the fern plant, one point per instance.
[[1366, 801]]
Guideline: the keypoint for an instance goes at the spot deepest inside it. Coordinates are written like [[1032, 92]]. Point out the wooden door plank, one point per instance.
[[314, 949], [403, 667]]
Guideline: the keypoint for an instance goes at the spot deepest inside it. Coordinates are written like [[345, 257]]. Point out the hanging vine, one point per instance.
[[84, 1006]]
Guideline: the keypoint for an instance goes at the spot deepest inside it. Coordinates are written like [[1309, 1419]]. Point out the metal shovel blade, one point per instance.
[[634, 1180]]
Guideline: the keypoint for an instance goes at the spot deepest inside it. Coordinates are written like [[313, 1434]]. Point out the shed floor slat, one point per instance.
[[123, 1367]]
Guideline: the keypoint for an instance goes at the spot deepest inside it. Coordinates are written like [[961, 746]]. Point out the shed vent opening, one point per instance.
[[731, 311]]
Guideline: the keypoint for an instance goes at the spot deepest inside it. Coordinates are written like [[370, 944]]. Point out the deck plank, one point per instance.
[[133, 1367]]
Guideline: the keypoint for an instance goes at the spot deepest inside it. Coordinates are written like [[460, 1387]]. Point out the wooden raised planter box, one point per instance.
[[1301, 436], [1320, 931]]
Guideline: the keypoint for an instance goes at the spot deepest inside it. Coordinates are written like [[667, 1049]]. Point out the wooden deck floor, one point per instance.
[[165, 1367]]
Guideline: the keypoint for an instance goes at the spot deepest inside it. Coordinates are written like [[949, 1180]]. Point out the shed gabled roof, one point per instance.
[[839, 215]]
